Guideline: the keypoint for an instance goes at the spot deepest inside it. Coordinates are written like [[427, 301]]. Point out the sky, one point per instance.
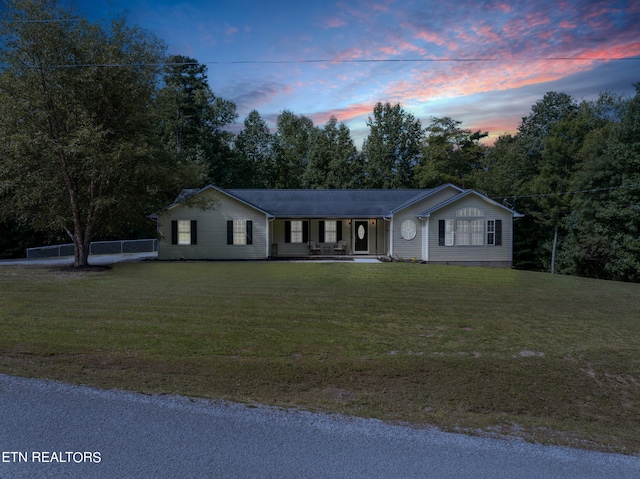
[[483, 63]]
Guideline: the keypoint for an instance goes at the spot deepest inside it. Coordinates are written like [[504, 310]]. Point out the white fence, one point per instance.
[[97, 247]]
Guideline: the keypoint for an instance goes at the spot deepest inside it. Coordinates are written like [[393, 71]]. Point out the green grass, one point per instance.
[[549, 358]]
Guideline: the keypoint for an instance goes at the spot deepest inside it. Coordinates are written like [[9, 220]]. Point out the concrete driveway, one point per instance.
[[51, 429], [99, 259]]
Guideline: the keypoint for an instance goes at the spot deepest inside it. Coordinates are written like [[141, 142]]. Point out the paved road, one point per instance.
[[43, 423]]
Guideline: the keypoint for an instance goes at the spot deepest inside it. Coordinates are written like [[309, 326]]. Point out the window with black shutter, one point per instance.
[[230, 232], [174, 232], [194, 232]]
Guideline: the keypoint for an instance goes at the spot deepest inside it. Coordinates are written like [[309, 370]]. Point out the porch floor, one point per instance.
[[363, 258]]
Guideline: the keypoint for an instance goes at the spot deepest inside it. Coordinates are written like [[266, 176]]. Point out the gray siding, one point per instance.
[[485, 254], [409, 249], [212, 231]]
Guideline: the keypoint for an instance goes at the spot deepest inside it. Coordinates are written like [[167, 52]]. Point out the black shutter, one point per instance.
[[174, 232], [305, 231], [230, 232], [287, 231], [194, 232], [339, 230], [249, 232], [498, 232], [321, 232], [440, 232]]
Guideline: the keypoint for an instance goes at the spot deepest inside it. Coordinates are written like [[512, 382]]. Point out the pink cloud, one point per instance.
[[334, 23], [343, 115], [431, 37]]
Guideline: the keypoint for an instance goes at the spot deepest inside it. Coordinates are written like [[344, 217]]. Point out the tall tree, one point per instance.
[[392, 149], [606, 215], [194, 119], [536, 127], [550, 118], [293, 140], [76, 154], [451, 154], [255, 146], [332, 158]]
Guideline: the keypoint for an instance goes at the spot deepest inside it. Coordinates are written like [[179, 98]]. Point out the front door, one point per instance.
[[362, 237]]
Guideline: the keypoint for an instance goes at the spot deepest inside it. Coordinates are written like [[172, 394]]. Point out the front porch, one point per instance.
[[328, 238]]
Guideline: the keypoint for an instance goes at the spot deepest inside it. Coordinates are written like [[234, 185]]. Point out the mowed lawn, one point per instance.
[[549, 358]]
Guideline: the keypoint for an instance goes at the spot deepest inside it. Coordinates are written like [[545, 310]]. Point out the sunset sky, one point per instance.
[[483, 63]]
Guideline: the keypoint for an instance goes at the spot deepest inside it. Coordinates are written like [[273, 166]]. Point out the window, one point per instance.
[[296, 231], [239, 232], [477, 233], [469, 212], [449, 233], [445, 233], [494, 232], [330, 232], [184, 232], [491, 232], [408, 229], [462, 233], [467, 231]]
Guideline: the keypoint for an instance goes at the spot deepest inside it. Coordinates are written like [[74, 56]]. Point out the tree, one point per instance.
[[293, 139], [194, 119], [450, 154], [536, 127], [392, 149], [536, 184], [256, 149], [332, 158], [606, 216], [76, 153]]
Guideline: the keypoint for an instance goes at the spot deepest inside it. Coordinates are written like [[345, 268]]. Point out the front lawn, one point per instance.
[[485, 351]]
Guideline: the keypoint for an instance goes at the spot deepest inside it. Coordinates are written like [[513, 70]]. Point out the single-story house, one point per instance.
[[438, 225]]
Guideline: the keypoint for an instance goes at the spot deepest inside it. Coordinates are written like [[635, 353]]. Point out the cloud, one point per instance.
[[334, 23], [250, 95]]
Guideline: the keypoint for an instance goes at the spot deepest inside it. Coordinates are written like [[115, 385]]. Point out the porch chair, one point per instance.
[[314, 248], [340, 248]]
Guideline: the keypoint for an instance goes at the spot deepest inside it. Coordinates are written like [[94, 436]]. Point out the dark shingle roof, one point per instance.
[[329, 203]]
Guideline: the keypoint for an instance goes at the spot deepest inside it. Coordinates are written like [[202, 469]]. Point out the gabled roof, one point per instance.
[[339, 203], [427, 213], [357, 203]]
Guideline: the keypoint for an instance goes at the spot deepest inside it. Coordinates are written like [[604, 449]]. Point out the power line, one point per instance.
[[58, 20], [327, 61], [542, 195]]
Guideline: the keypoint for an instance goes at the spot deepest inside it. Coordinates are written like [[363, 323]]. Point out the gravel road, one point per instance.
[[52, 429]]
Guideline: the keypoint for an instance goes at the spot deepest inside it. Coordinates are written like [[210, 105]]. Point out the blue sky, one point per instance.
[[484, 63]]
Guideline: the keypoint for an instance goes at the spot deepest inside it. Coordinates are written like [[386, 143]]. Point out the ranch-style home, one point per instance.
[[446, 225]]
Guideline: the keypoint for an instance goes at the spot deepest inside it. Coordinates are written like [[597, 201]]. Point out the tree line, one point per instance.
[[100, 127]]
